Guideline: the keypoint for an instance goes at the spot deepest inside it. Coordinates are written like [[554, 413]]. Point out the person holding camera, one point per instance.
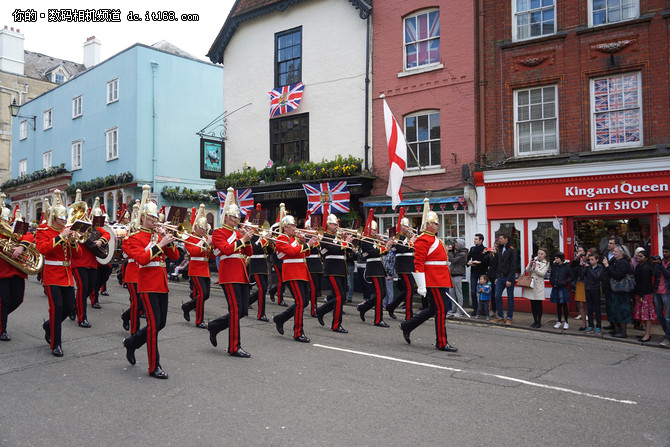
[[537, 268]]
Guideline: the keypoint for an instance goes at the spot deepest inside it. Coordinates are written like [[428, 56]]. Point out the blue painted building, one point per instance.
[[137, 112]]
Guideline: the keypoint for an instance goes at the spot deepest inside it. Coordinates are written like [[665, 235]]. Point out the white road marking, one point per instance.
[[511, 379]]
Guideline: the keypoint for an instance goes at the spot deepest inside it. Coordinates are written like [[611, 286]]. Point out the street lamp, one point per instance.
[[14, 110]]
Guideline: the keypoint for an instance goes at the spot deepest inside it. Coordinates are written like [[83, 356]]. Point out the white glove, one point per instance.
[[420, 279]]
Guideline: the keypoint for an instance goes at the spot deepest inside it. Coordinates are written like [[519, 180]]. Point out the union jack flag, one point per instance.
[[617, 114], [244, 199], [422, 39], [334, 194], [285, 99]]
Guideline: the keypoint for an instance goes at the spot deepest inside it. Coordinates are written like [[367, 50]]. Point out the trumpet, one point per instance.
[[180, 233]]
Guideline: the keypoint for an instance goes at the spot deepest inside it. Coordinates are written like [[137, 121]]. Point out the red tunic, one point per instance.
[[58, 254], [142, 248], [7, 270], [87, 258], [232, 252], [131, 273], [430, 257], [200, 254], [293, 254]]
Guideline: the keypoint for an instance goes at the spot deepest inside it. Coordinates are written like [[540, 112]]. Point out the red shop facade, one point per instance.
[[562, 207]]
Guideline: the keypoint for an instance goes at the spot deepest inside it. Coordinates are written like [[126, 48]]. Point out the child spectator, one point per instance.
[[561, 277], [181, 268], [593, 277], [483, 296]]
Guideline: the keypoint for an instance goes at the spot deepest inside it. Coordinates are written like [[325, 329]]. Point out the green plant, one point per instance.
[[34, 176], [187, 194], [100, 182]]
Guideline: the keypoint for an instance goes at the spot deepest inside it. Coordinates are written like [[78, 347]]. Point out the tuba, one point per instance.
[[30, 262]]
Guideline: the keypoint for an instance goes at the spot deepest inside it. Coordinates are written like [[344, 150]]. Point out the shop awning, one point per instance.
[[371, 202]]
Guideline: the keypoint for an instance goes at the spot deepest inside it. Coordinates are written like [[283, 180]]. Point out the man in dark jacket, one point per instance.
[[478, 261], [506, 269], [662, 292], [458, 256]]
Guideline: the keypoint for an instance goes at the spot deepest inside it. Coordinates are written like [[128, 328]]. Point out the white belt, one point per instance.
[[62, 263], [130, 260], [199, 259], [373, 259], [294, 261], [313, 256], [256, 256], [236, 255], [404, 254], [153, 264], [435, 263], [335, 257]]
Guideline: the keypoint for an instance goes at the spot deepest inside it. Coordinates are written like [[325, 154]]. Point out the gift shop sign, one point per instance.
[[584, 196]]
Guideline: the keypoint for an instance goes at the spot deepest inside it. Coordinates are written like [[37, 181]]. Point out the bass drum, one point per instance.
[[116, 235]]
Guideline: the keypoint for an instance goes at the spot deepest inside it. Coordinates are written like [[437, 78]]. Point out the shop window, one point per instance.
[[453, 226], [536, 122], [603, 12], [666, 231], [511, 229], [545, 235], [616, 106], [630, 233], [533, 18], [422, 39], [422, 131]]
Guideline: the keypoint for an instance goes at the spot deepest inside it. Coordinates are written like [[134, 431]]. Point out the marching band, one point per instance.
[[65, 246]]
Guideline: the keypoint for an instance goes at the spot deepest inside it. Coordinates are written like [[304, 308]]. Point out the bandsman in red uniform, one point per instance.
[[404, 267], [12, 280], [148, 247], [432, 278], [334, 251], [372, 249], [315, 268], [131, 270], [58, 246], [293, 251], [257, 269], [232, 247], [199, 248]]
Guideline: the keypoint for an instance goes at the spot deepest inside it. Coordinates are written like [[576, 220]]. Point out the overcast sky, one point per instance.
[[65, 40]]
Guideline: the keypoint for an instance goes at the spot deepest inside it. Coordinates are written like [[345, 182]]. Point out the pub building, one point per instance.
[[562, 207]]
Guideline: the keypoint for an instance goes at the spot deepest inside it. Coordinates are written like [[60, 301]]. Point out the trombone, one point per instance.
[[180, 233]]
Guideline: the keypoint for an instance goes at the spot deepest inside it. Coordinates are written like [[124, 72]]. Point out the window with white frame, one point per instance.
[[47, 119], [535, 119], [113, 90], [422, 131], [76, 107], [533, 18], [112, 143], [76, 155], [46, 160], [23, 130], [616, 111], [422, 39], [603, 12], [23, 167]]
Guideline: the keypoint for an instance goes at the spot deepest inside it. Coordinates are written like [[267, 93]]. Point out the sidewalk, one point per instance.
[[523, 320]]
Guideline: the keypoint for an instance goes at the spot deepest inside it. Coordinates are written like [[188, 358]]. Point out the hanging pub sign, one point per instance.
[[211, 158]]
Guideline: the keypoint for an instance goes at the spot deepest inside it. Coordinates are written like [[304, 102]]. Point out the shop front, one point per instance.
[[561, 208]]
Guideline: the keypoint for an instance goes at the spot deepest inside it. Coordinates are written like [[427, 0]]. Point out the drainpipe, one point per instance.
[[367, 94], [479, 148], [154, 70]]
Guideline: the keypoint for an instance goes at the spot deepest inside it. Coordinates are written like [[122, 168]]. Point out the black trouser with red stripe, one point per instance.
[[156, 308], [61, 305], [132, 314], [299, 291], [11, 297], [259, 295], [437, 307], [200, 286], [314, 290], [406, 287], [379, 285], [104, 272], [279, 288], [335, 301], [85, 278], [237, 295]]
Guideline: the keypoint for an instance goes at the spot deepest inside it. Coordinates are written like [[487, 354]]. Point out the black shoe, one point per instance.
[[619, 335], [283, 304], [212, 337], [391, 314], [159, 373], [241, 353], [58, 352], [187, 313], [5, 337], [533, 325], [302, 339], [341, 330], [104, 293], [84, 323], [280, 326], [202, 325], [73, 315], [361, 312], [263, 318], [130, 352], [382, 324], [320, 319], [47, 333], [272, 298], [126, 323], [405, 334], [96, 305], [448, 348]]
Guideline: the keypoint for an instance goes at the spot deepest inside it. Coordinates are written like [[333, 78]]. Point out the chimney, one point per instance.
[[91, 52], [12, 58]]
